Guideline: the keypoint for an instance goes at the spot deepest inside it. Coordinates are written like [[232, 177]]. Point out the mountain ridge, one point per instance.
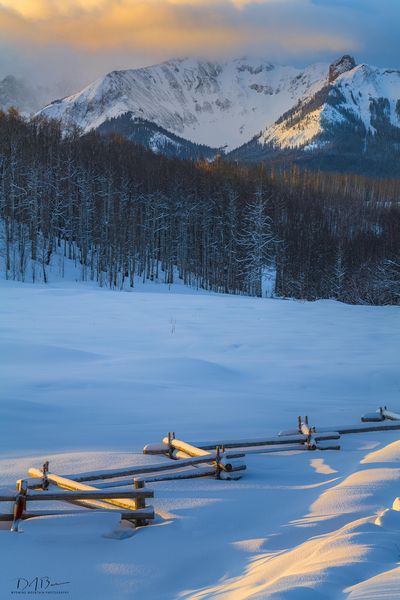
[[354, 117], [218, 104], [27, 95], [247, 109]]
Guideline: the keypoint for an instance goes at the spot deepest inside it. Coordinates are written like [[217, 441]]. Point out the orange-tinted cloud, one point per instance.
[[78, 40], [160, 25]]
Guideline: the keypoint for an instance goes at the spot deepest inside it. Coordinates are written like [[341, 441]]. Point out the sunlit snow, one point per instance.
[[89, 376]]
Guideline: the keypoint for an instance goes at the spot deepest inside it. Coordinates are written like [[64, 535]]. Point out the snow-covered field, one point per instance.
[[89, 376]]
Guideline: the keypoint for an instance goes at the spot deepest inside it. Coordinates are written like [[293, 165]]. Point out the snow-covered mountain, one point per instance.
[[27, 96], [249, 107], [361, 95], [17, 93], [355, 110], [156, 138], [212, 103]]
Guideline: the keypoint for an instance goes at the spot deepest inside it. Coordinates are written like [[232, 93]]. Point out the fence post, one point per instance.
[[20, 503], [45, 481], [170, 448], [139, 502], [217, 463]]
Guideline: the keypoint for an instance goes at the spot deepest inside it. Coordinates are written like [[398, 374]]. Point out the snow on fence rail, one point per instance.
[[152, 468], [187, 460], [168, 444], [343, 430], [382, 414], [132, 502], [98, 498]]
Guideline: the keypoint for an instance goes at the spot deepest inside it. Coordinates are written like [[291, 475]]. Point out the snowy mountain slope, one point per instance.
[[18, 94], [364, 94], [156, 138], [336, 110], [358, 106], [27, 96], [211, 103]]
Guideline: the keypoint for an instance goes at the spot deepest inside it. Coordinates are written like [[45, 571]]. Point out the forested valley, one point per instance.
[[120, 211]]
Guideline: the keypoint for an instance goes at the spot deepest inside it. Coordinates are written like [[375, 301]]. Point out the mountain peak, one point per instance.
[[341, 65], [215, 104]]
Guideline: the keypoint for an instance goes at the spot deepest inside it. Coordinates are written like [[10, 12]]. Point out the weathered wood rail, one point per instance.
[[319, 432], [188, 460], [247, 443], [382, 414], [91, 495], [140, 514], [152, 468], [132, 502], [69, 484]]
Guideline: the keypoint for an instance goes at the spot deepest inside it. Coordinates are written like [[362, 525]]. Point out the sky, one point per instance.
[[71, 42]]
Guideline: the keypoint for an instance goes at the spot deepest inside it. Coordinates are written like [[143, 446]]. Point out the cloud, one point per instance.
[[179, 25], [99, 34]]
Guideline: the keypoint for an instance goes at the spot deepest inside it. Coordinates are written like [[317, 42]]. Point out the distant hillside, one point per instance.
[[156, 138]]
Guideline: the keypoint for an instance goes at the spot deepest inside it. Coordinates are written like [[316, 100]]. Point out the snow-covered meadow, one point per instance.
[[89, 376]]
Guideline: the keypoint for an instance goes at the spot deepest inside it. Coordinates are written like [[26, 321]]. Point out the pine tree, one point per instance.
[[257, 242]]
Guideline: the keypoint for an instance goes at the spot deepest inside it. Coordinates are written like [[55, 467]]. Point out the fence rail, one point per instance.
[[187, 460]]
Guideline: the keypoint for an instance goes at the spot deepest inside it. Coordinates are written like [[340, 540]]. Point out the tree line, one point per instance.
[[121, 212]]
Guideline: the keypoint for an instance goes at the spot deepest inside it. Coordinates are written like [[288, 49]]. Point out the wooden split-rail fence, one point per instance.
[[218, 459]]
